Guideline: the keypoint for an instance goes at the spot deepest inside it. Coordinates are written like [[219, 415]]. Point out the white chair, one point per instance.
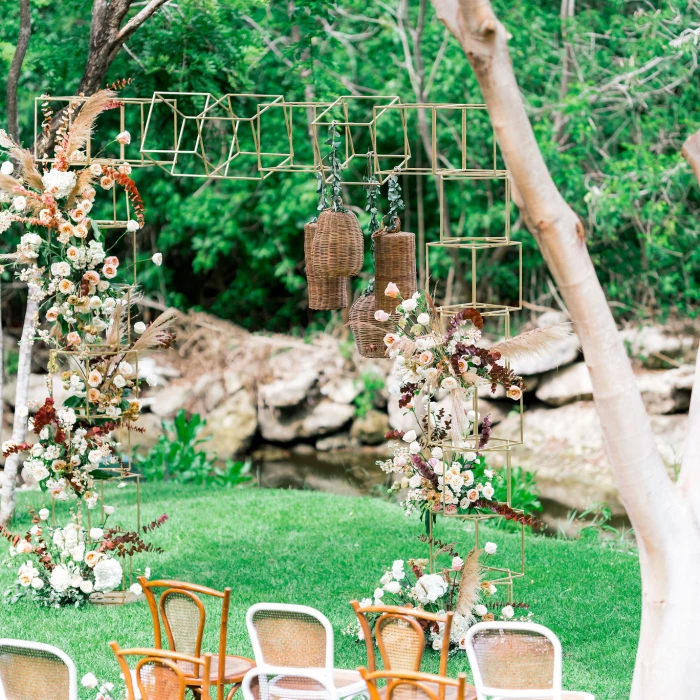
[[299, 637], [287, 683], [512, 660], [35, 671]]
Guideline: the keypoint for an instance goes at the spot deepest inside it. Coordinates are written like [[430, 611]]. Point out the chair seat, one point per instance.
[[348, 683], [236, 667], [450, 692]]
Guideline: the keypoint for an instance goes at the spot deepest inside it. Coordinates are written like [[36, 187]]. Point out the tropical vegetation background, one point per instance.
[[610, 88]]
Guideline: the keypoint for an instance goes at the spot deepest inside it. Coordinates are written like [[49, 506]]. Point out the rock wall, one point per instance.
[[300, 397]]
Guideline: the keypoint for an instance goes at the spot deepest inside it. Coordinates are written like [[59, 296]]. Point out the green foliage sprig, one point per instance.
[[336, 183], [396, 205]]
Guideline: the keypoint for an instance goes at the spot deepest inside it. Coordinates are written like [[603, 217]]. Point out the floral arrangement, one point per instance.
[[84, 297], [457, 588], [66, 565], [104, 689]]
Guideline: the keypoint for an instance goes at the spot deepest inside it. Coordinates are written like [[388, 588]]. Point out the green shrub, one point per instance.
[[178, 456], [372, 384]]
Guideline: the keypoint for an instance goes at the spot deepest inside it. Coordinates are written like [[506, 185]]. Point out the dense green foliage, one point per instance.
[[180, 456], [275, 546], [611, 135]]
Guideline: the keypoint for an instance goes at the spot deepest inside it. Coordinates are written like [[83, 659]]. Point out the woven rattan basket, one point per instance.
[[369, 333], [394, 261], [324, 293], [338, 247]]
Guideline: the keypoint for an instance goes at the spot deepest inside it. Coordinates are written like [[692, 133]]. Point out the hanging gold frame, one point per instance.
[[346, 125], [435, 109], [207, 114]]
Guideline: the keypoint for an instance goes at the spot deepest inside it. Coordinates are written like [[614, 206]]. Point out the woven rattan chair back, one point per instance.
[[369, 333], [338, 247], [400, 636], [325, 293], [275, 683], [412, 685], [160, 674], [33, 671], [514, 659], [290, 635], [394, 261]]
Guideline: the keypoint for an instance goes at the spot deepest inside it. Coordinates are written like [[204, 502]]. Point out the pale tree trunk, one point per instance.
[[19, 427], [664, 514]]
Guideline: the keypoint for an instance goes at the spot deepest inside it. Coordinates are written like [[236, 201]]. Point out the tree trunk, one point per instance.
[[664, 515], [19, 427], [25, 30]]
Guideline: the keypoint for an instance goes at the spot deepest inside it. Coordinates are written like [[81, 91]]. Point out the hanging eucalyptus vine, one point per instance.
[[396, 205], [336, 179]]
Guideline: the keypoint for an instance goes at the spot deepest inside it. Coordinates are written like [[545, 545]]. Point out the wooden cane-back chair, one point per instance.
[[183, 616], [158, 674], [400, 635], [413, 685], [34, 671], [517, 660]]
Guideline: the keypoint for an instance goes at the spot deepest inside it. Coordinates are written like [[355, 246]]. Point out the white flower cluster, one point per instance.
[[59, 183]]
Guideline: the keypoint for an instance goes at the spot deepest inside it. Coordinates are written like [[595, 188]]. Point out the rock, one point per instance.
[[332, 443], [232, 425], [484, 392], [342, 389], [563, 386], [562, 353], [148, 367], [232, 381], [667, 391], [648, 342], [169, 400], [564, 447], [371, 428], [285, 425], [290, 391]]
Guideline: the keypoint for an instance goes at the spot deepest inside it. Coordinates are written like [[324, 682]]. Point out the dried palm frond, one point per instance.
[[27, 167], [532, 343], [83, 181], [80, 130], [8, 184], [469, 585], [157, 334]]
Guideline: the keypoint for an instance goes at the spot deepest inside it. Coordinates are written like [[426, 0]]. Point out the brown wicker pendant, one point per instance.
[[394, 261], [324, 293], [338, 247], [369, 333]]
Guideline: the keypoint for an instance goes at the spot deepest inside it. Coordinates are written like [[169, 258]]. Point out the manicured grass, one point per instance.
[[321, 550]]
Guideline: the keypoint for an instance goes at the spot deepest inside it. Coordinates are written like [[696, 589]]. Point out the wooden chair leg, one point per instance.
[[233, 690]]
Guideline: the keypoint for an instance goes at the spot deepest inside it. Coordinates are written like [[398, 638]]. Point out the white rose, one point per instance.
[[95, 456], [139, 327], [436, 452], [378, 593], [490, 547], [481, 610], [119, 381], [132, 225], [488, 491], [393, 587], [423, 319], [37, 583], [109, 510], [449, 383], [7, 168], [508, 612], [125, 368], [19, 203], [414, 448], [44, 514], [381, 316], [136, 589], [96, 533], [157, 259], [89, 681], [470, 456], [60, 578], [397, 569], [86, 586], [415, 481], [457, 563], [386, 578], [409, 304], [409, 436]]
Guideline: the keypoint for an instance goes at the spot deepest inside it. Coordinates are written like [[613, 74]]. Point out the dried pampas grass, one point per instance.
[[469, 586], [27, 167], [84, 180], [157, 334], [532, 343], [8, 184], [81, 128]]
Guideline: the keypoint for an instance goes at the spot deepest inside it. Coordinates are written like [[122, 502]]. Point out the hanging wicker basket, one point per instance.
[[369, 333], [338, 246], [394, 261], [324, 293]]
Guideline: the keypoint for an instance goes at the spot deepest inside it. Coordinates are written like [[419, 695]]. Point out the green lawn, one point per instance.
[[321, 550]]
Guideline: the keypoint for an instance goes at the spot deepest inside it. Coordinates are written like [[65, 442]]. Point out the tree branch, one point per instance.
[[138, 19], [25, 30]]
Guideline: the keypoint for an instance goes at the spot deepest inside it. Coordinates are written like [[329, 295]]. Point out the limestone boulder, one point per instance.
[[667, 391], [169, 400], [290, 390], [232, 425], [371, 428], [286, 425], [562, 386], [342, 389], [564, 447], [650, 344]]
